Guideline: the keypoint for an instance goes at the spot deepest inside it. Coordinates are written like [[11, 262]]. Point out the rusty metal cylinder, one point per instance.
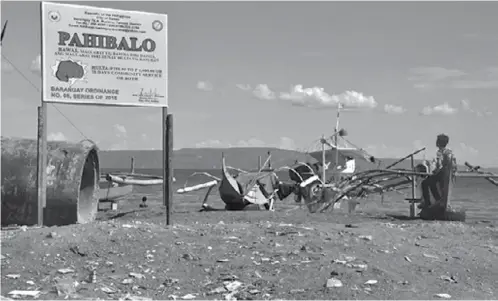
[[72, 182]]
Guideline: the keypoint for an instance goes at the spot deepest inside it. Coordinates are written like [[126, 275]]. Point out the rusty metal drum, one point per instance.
[[72, 182]]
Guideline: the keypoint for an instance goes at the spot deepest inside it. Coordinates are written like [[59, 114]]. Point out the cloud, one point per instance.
[[58, 136], [429, 77], [432, 77], [283, 143], [6, 66], [36, 64], [432, 74], [466, 107], [468, 150], [120, 129], [316, 97], [252, 142], [204, 86], [121, 134], [287, 143], [392, 151], [144, 137], [444, 109], [215, 143], [263, 92], [392, 109], [475, 84], [243, 87], [212, 143]]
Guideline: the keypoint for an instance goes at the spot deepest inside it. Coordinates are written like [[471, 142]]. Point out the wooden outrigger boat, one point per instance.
[[116, 186], [259, 188]]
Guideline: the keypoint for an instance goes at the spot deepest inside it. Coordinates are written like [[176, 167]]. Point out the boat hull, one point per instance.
[[110, 192]]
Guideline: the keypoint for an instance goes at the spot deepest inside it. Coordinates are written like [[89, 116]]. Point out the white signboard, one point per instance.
[[103, 56]]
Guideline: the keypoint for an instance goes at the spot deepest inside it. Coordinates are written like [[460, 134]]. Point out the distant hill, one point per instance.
[[210, 158]]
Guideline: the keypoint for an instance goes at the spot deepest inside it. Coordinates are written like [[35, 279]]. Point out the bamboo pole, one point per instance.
[[406, 157], [476, 169]]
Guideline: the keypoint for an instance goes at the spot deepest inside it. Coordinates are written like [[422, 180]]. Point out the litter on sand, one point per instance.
[[333, 282], [33, 294], [371, 282], [443, 296]]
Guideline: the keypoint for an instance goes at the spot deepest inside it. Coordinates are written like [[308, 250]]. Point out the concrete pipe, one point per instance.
[[72, 182]]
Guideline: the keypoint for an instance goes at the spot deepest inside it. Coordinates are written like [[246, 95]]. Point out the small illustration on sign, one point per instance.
[[157, 25], [54, 16], [69, 71]]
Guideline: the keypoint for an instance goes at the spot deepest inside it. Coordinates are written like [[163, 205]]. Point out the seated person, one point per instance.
[[445, 164]]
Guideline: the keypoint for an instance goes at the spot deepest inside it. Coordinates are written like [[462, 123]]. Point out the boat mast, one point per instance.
[[323, 159], [336, 142], [336, 139]]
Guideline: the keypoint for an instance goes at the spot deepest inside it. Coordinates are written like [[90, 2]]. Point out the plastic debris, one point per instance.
[[449, 279], [127, 281], [233, 285], [136, 275], [108, 290], [366, 237], [222, 260], [33, 294], [443, 296], [65, 271], [371, 282], [333, 282], [430, 256], [189, 297]]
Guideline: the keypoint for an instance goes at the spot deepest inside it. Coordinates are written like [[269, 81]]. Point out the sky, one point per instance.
[[272, 73]]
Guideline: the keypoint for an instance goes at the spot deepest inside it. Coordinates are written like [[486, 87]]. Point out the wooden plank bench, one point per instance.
[[114, 204], [412, 202]]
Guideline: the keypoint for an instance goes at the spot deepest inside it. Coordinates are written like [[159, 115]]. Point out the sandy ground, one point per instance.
[[286, 254]]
